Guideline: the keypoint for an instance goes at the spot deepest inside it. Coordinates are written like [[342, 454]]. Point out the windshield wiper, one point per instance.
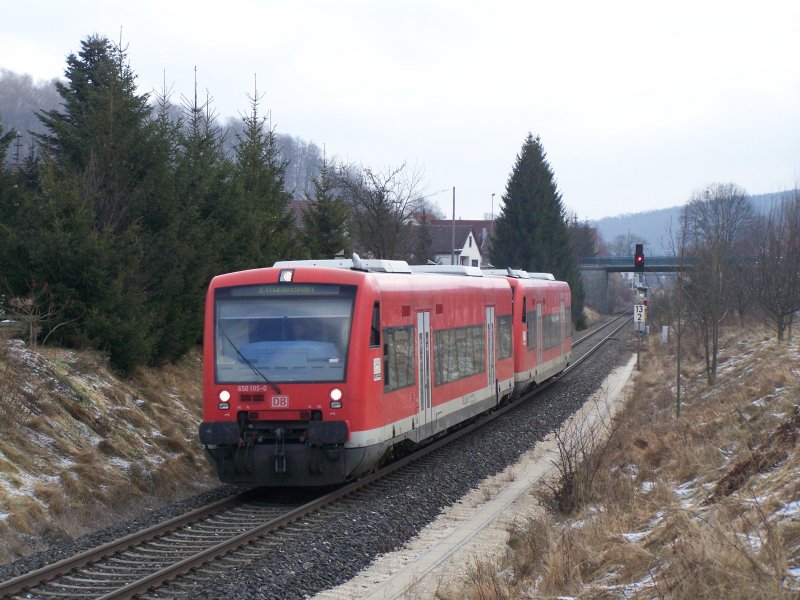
[[249, 364]]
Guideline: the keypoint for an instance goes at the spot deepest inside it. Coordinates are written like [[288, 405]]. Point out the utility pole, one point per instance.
[[453, 244]]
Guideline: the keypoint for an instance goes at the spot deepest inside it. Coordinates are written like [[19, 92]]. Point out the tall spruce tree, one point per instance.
[[531, 230], [103, 133], [325, 218], [265, 229], [104, 171], [203, 181], [176, 248], [423, 242], [10, 198]]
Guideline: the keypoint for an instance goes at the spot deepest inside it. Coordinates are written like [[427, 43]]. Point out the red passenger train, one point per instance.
[[315, 371]]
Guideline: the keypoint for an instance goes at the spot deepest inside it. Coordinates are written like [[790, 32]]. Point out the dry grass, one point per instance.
[[80, 449], [688, 508]]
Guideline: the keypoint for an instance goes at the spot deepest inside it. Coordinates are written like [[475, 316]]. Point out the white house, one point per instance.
[[466, 251]]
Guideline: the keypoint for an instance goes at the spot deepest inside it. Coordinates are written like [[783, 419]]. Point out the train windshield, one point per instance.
[[282, 333]]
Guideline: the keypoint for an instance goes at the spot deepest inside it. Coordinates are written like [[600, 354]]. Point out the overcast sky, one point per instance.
[[638, 104]]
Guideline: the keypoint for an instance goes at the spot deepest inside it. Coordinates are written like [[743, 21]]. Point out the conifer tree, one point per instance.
[[103, 173], [103, 133], [325, 219], [264, 225], [9, 208], [531, 230], [203, 175], [176, 248], [423, 247]]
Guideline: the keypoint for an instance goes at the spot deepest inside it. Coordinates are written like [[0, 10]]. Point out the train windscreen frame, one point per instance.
[[295, 333]]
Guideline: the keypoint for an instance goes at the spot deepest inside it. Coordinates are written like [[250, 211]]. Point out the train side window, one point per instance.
[[458, 353], [524, 309], [398, 358], [532, 329], [504, 336], [375, 328]]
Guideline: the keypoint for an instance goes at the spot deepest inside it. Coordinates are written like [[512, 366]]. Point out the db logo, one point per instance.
[[280, 402]]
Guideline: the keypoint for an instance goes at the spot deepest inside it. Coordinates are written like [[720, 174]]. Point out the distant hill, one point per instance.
[[654, 226]]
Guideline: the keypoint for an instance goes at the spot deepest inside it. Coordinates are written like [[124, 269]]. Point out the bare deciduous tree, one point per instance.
[[774, 279], [623, 245], [36, 310], [716, 222], [382, 205]]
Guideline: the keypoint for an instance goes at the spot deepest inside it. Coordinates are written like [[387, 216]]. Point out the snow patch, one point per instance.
[[632, 589], [752, 541], [790, 510], [635, 537], [659, 516]]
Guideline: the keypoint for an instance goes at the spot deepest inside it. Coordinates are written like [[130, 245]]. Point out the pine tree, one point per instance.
[[423, 247], [205, 194], [531, 230], [10, 199], [103, 133], [175, 249], [325, 219], [263, 223], [104, 172]]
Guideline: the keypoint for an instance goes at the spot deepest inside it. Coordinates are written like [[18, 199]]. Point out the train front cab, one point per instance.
[[280, 407]]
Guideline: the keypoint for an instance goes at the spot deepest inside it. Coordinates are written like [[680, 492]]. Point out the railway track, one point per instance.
[[210, 541]]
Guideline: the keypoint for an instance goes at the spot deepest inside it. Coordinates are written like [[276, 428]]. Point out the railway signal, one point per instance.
[[638, 259]]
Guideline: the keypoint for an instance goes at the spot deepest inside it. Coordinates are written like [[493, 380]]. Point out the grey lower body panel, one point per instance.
[[292, 465]]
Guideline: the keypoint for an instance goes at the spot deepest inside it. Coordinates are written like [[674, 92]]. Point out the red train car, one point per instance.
[[542, 326], [312, 374]]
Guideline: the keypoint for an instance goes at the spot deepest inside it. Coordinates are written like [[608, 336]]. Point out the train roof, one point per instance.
[[519, 274], [370, 265], [461, 270]]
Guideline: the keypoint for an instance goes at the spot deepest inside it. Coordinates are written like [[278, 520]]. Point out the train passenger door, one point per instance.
[[539, 335], [563, 328], [490, 347], [424, 366]]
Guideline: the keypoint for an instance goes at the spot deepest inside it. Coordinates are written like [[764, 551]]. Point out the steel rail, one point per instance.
[[64, 566]]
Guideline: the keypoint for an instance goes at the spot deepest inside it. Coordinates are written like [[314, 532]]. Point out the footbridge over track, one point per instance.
[[595, 269], [624, 264]]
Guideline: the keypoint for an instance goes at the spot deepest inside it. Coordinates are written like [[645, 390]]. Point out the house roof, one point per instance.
[[442, 236], [481, 229], [298, 207]]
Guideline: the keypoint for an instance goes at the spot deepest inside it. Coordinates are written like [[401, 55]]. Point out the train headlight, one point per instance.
[[224, 397], [336, 398]]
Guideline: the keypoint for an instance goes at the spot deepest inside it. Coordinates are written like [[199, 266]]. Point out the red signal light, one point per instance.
[[638, 259]]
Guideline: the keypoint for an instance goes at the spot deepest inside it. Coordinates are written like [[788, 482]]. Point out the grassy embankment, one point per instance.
[[705, 506], [81, 449]]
